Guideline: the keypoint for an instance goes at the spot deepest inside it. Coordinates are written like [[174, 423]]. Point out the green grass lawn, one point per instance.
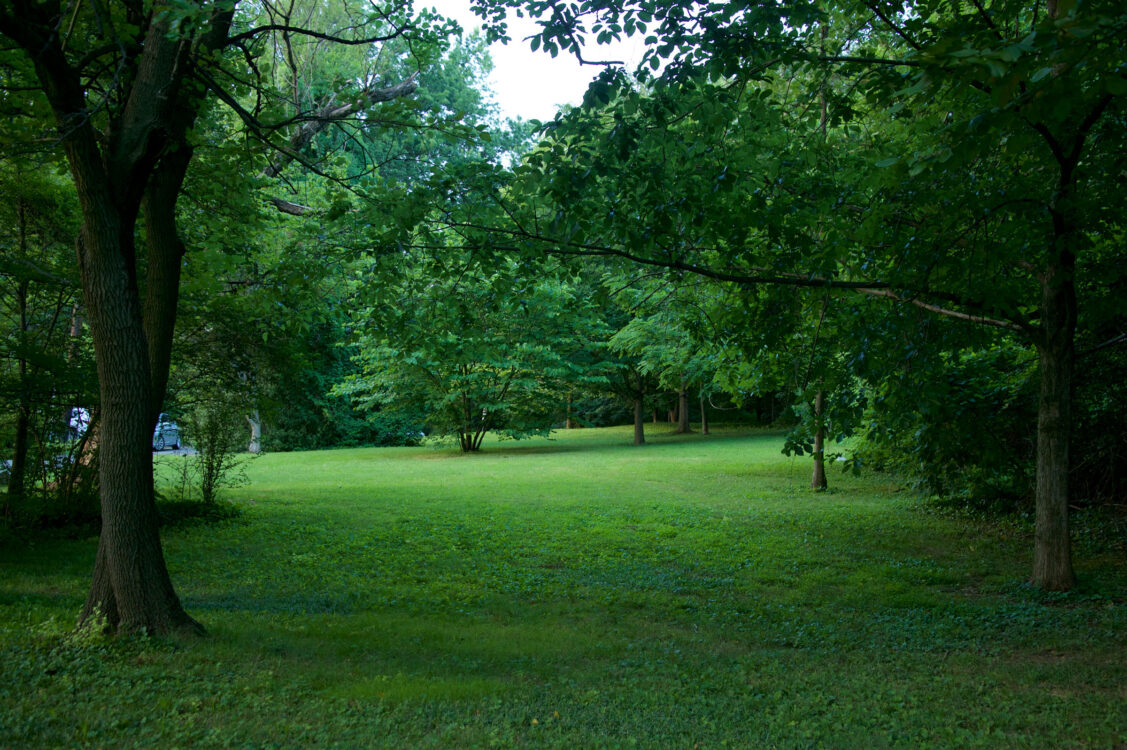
[[578, 592]]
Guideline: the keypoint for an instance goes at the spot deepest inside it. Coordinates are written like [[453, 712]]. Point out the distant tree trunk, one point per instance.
[[655, 415], [818, 479], [703, 415], [16, 477], [18, 472], [255, 432], [569, 424], [683, 426], [1055, 340], [639, 422]]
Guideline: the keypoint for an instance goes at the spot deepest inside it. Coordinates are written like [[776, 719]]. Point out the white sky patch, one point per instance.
[[533, 85]]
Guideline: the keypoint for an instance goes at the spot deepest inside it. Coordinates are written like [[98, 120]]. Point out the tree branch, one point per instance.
[[319, 120], [399, 31], [995, 322]]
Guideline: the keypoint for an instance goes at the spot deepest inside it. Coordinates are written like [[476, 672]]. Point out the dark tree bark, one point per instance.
[[112, 171], [818, 478], [1052, 555], [128, 153], [164, 256]]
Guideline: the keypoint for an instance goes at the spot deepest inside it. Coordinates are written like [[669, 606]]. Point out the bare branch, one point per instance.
[[996, 323], [288, 207], [317, 121], [398, 32]]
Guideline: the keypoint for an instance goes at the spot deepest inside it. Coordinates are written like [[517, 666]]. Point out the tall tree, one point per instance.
[[476, 348], [125, 83], [962, 160]]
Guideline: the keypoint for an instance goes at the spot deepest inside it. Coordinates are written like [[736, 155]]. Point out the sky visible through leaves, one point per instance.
[[533, 85]]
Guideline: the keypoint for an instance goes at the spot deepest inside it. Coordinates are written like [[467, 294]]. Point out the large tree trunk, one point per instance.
[[1052, 557], [818, 478], [131, 587]]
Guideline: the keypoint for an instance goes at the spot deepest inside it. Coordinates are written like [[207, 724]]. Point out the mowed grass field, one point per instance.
[[577, 592]]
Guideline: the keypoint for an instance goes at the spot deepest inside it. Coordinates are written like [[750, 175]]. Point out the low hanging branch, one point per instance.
[[982, 319], [757, 275]]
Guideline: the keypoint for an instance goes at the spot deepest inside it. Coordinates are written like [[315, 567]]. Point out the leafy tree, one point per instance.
[[120, 88], [475, 347], [959, 160]]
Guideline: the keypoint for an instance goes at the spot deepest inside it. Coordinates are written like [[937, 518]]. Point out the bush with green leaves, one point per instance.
[[961, 433], [217, 430]]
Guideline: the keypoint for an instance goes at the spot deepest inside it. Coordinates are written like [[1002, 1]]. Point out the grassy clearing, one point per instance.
[[575, 592]]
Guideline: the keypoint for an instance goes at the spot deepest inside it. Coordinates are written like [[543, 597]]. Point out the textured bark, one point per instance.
[[818, 478], [1052, 556], [131, 587], [112, 171], [164, 256]]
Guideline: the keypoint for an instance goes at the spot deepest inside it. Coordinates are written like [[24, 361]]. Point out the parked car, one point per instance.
[[166, 434]]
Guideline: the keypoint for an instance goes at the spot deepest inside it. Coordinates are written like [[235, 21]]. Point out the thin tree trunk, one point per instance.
[[818, 479], [255, 432], [683, 426], [1052, 555], [569, 424], [639, 422], [703, 415], [16, 477]]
